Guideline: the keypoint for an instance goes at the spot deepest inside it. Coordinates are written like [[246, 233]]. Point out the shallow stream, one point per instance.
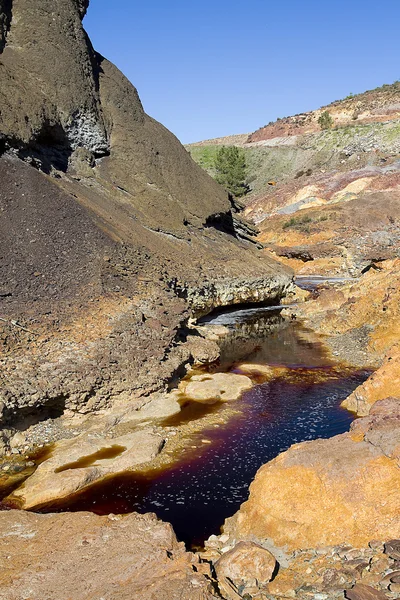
[[207, 484]]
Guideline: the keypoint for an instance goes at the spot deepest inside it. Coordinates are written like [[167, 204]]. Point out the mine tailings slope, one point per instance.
[[110, 231]]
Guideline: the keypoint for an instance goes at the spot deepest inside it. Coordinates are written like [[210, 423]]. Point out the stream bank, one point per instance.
[[212, 448]]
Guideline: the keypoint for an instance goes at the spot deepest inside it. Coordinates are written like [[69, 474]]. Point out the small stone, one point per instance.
[[224, 538], [392, 549], [364, 592], [393, 577], [243, 565], [376, 545]]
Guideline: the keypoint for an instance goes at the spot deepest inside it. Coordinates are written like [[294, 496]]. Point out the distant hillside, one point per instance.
[[373, 106], [363, 125], [317, 196]]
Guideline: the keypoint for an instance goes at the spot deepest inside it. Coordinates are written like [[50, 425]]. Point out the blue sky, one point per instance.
[[217, 67]]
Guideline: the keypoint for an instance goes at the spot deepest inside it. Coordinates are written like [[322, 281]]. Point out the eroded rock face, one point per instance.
[[84, 556], [326, 492], [102, 262]]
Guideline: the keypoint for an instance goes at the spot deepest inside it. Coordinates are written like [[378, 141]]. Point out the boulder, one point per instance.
[[219, 387], [364, 592], [326, 492], [247, 564]]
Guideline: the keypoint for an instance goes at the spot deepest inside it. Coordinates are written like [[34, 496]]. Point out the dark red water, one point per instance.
[[197, 494]]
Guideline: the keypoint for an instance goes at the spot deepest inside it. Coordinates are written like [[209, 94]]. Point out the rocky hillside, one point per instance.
[[374, 106], [328, 202], [317, 195], [110, 233]]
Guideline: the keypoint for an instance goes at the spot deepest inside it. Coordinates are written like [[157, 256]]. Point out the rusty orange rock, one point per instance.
[[327, 492]]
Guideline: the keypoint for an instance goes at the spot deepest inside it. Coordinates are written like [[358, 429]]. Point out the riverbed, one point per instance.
[[209, 481]]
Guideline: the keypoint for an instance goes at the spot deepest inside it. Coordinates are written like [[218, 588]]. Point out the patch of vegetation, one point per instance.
[[297, 222], [302, 222], [325, 120], [204, 156], [230, 170]]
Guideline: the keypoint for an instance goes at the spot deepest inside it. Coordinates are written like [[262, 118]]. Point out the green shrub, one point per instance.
[[297, 222], [325, 120]]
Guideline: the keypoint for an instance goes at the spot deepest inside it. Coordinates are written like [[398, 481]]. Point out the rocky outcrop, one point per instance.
[[84, 556], [328, 492], [383, 383], [360, 318], [76, 464]]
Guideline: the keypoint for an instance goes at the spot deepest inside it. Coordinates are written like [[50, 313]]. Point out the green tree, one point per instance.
[[325, 120], [230, 168]]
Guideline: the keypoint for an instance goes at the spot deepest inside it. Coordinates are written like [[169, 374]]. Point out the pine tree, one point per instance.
[[325, 120], [230, 167]]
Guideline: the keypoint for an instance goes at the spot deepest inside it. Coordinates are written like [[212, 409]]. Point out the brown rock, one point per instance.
[[364, 592], [80, 555], [246, 564], [392, 549]]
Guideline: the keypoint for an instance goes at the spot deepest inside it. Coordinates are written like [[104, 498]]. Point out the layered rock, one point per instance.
[[76, 464]]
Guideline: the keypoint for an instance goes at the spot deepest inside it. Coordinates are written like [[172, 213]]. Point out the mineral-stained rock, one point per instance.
[[362, 321], [344, 489], [365, 592], [246, 564], [77, 464], [80, 555], [384, 382], [219, 387]]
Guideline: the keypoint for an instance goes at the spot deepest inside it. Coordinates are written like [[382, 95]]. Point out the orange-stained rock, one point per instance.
[[246, 564], [381, 384], [364, 315], [327, 492], [82, 556]]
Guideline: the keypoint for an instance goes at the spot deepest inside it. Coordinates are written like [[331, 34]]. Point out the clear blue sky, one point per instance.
[[218, 67]]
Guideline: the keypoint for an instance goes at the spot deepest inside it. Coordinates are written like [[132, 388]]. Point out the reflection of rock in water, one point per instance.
[[272, 340], [247, 337]]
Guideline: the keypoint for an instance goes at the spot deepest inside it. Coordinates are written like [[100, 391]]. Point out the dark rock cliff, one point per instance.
[[109, 231]]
